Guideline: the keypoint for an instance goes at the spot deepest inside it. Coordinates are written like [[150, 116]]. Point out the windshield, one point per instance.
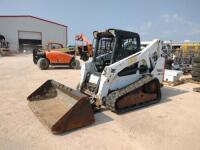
[[105, 45], [125, 47], [103, 52], [54, 46]]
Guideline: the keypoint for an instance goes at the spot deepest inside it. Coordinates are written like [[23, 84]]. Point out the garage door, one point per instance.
[[29, 40], [30, 35]]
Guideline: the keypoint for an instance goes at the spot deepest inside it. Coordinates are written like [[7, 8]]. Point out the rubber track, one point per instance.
[[113, 96]]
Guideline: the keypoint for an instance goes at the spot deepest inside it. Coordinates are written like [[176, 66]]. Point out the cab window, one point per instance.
[[125, 47], [129, 44]]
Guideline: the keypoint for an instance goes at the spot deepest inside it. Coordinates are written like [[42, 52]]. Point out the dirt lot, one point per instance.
[[172, 124]]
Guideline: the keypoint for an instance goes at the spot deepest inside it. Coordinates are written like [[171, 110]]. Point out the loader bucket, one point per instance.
[[61, 108]]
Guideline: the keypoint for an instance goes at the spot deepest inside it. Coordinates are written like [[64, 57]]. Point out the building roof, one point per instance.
[[29, 16]]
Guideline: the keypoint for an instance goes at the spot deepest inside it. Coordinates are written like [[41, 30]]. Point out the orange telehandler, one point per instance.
[[86, 49], [54, 54]]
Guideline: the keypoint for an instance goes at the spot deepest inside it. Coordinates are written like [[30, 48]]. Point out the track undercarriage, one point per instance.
[[138, 94]]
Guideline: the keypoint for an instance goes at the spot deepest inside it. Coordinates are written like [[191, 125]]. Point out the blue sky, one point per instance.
[[176, 20]]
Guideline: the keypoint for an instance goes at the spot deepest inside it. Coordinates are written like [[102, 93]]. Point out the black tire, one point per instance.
[[169, 61], [196, 78], [84, 56], [43, 63], [168, 64], [196, 60], [196, 65], [196, 69], [75, 64], [168, 67], [35, 58], [195, 73]]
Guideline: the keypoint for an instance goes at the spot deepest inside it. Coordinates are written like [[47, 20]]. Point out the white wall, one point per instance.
[[9, 27]]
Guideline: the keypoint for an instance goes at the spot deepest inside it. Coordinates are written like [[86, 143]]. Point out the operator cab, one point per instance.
[[113, 45]]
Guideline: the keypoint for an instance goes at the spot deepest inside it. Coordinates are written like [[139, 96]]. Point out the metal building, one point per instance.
[[28, 32]]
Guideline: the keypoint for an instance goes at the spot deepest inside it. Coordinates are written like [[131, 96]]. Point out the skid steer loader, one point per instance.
[[120, 77]]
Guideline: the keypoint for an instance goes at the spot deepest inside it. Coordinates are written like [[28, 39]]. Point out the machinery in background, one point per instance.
[[120, 77], [53, 45], [54, 54], [85, 49], [54, 58], [58, 47], [196, 68], [171, 75], [167, 50], [184, 55], [4, 46]]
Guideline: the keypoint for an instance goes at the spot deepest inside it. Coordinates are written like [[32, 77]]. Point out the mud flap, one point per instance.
[[61, 108]]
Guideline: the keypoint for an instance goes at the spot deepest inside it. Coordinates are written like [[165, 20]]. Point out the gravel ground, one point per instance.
[[172, 124]]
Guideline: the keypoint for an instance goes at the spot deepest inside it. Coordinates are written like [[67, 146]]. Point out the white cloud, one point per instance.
[[143, 28], [169, 18], [146, 26], [191, 27], [194, 32]]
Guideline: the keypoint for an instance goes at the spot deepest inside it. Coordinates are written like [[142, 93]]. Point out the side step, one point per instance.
[[60, 108]]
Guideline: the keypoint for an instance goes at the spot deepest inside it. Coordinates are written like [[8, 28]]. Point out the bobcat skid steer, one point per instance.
[[120, 77]]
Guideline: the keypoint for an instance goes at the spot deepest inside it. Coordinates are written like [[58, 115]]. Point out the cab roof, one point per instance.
[[115, 33]]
